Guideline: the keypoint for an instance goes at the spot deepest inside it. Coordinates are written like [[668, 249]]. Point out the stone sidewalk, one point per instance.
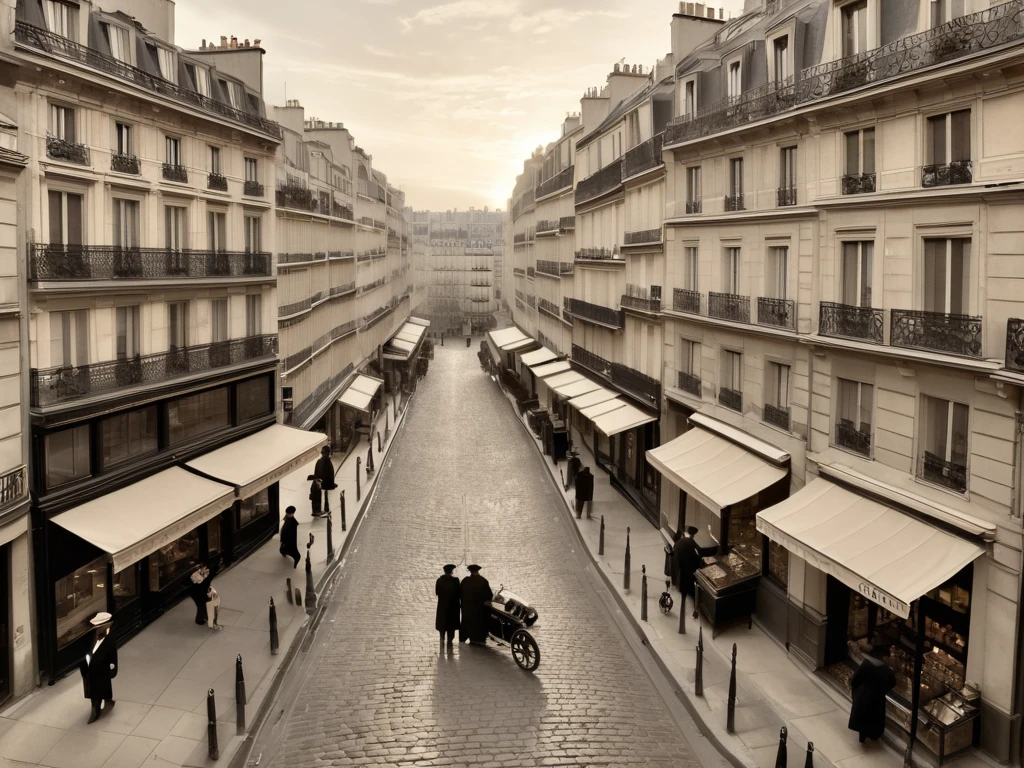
[[165, 671], [772, 689]]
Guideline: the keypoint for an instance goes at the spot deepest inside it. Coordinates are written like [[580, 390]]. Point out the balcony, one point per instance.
[[858, 184], [785, 196], [67, 151], [567, 309], [53, 386], [734, 202], [689, 383], [643, 157], [686, 301], [13, 485], [729, 306], [643, 237], [1015, 345], [295, 196], [67, 263], [531, 272], [608, 179], [730, 398], [640, 298], [780, 313], [777, 417], [545, 267], [643, 386], [595, 313], [338, 210], [562, 180], [547, 226], [962, 37], [216, 181], [593, 361], [550, 308], [853, 439], [178, 173], [255, 189], [948, 474], [125, 164], [693, 206], [598, 254], [957, 172], [935, 331], [847, 322], [567, 224]]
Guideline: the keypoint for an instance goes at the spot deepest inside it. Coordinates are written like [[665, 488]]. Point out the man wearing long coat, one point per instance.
[[290, 536], [475, 594], [872, 680], [324, 470], [686, 558], [99, 667], [447, 590]]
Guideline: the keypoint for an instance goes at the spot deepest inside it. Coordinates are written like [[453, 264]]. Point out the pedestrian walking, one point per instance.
[[474, 595], [290, 536], [686, 559], [584, 491], [872, 680], [315, 495], [99, 667], [205, 597], [573, 467], [324, 470], [447, 590]]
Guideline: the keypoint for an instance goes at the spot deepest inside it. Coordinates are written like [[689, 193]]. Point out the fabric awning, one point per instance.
[[714, 470], [598, 396], [419, 321], [600, 409], [550, 369], [563, 378], [890, 557], [622, 419], [412, 338], [360, 392], [506, 336], [137, 520], [260, 460], [577, 388], [403, 344], [513, 346], [538, 357]]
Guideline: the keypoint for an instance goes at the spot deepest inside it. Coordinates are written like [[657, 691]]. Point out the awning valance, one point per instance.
[[140, 518], [622, 420], [890, 557], [260, 460], [596, 397], [593, 411], [506, 336], [550, 369], [419, 321], [360, 392], [538, 357], [717, 472], [577, 388]]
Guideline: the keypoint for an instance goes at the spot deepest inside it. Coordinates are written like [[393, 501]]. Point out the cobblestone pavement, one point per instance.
[[465, 481]]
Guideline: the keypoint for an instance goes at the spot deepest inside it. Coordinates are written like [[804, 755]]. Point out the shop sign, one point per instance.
[[884, 599]]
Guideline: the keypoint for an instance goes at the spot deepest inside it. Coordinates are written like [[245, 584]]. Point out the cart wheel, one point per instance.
[[666, 602], [525, 650]]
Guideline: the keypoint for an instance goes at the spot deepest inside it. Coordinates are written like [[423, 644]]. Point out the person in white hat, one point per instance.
[[99, 667]]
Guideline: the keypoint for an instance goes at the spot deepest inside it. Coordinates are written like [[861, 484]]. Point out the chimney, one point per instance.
[[246, 43], [234, 41], [256, 43], [223, 41], [203, 46]]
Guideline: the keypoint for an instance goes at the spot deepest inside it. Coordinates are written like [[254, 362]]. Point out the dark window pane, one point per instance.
[[254, 398], [869, 150], [128, 434], [196, 415], [67, 456]]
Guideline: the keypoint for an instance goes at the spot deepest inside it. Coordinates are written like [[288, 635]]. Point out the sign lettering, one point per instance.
[[884, 599]]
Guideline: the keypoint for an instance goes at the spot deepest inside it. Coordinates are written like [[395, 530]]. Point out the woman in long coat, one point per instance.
[[447, 591], [198, 590]]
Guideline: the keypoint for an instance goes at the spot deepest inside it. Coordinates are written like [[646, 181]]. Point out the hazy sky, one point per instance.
[[449, 96]]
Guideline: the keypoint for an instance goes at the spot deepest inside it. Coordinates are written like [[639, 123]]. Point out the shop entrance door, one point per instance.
[[5, 624], [837, 607]]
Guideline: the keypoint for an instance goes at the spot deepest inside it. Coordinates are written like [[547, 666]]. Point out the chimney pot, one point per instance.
[[721, 14], [223, 41], [246, 43], [711, 13], [203, 46], [256, 43]]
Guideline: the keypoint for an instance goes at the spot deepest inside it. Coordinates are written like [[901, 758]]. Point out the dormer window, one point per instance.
[[118, 40], [944, 11], [855, 28], [735, 81], [61, 19], [233, 92], [200, 78], [780, 58], [166, 61]]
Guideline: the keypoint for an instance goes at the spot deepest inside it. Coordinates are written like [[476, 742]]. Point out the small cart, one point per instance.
[[510, 617]]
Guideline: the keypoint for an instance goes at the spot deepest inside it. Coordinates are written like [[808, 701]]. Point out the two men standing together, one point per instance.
[[472, 598]]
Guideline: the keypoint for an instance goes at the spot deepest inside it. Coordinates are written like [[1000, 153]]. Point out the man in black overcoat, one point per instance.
[[324, 470], [99, 667], [290, 536], [872, 680], [686, 559], [475, 595], [199, 589], [584, 491], [447, 590]]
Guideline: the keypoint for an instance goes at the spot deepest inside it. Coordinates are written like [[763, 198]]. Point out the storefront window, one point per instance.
[[67, 456], [79, 596], [213, 539], [253, 508], [254, 398], [778, 563], [176, 559], [196, 415], [128, 434], [743, 537], [126, 586]]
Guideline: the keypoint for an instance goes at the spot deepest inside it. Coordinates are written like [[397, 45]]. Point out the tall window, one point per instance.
[[253, 315], [214, 159], [944, 442], [860, 152], [732, 370], [123, 139], [196, 415], [252, 170], [691, 257], [855, 28], [731, 271], [776, 387], [787, 168], [175, 228], [118, 40], [61, 19], [219, 320], [69, 338], [217, 226], [252, 234], [168, 64], [65, 210], [689, 97], [736, 177], [780, 58], [200, 77], [693, 192], [949, 137], [177, 325], [129, 434], [67, 456], [172, 149], [853, 416], [777, 278], [947, 275], [944, 11], [689, 357], [126, 223], [127, 330], [857, 267], [62, 123], [735, 82]]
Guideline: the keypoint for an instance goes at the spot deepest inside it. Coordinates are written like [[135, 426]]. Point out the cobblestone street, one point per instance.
[[465, 484]]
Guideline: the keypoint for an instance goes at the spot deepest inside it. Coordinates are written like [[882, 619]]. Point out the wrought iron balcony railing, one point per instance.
[[546, 267], [287, 310], [295, 196], [693, 206], [550, 308], [858, 184], [729, 306], [598, 254], [777, 417], [531, 272], [643, 237], [937, 331], [110, 262], [643, 386], [957, 172], [125, 164], [643, 157], [255, 189], [13, 485], [561, 180], [519, 239], [686, 301], [51, 386], [845, 321], [639, 297], [567, 309], [608, 179], [531, 300], [547, 225], [734, 202], [217, 181], [778, 312], [948, 474], [785, 196], [596, 313], [689, 383], [1015, 344], [853, 439], [591, 360], [518, 272], [567, 223], [730, 398], [178, 173], [68, 151]]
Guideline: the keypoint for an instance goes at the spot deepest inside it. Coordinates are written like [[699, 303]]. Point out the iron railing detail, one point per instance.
[[937, 331], [693, 206], [547, 225], [729, 306], [689, 383], [948, 474], [853, 439], [125, 164], [295, 196], [546, 267], [550, 308], [858, 184], [734, 202], [946, 174], [1015, 344], [730, 398], [567, 223], [639, 297], [531, 272], [561, 180], [111, 262], [596, 313], [13, 485], [643, 386], [686, 301], [68, 151], [643, 157], [598, 254], [643, 237], [217, 181], [778, 312], [785, 196], [845, 321], [591, 360], [567, 309], [255, 189], [178, 173], [608, 179], [777, 417]]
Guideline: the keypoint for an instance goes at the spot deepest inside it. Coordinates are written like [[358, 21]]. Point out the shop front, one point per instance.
[[401, 355], [899, 591], [530, 360], [628, 433], [357, 404]]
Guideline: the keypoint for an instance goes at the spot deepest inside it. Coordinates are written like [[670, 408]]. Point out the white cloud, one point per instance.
[[557, 18], [373, 50], [463, 10]]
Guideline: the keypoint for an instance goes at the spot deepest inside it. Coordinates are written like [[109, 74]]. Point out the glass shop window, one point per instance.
[[78, 597]]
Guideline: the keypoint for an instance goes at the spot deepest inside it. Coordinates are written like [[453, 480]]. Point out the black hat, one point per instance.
[[449, 568], [473, 568], [692, 530], [289, 510], [325, 451]]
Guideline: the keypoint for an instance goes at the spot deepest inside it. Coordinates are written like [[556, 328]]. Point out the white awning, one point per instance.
[[542, 355], [402, 345], [714, 470], [890, 557], [360, 392], [409, 337], [543, 371], [577, 388], [593, 411], [419, 321], [563, 378], [260, 460], [596, 397], [513, 346], [137, 520], [622, 420], [506, 336]]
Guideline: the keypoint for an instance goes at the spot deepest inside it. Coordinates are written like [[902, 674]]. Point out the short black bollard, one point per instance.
[[288, 590], [730, 720], [643, 593], [600, 541], [782, 757], [809, 760], [387, 423], [211, 726], [682, 614], [380, 446], [370, 469], [275, 640], [359, 472], [467, 342], [565, 485], [343, 526], [698, 672], [442, 339], [625, 573], [239, 695], [298, 597], [330, 538], [310, 588]]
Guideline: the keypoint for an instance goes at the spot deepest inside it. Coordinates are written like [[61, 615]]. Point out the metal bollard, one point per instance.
[[643, 593], [696, 598], [625, 573], [565, 485], [809, 760], [359, 465], [387, 422], [298, 597], [275, 640], [730, 721], [343, 527], [239, 695], [380, 446], [288, 590], [370, 469], [467, 342], [330, 538], [442, 339], [698, 672], [682, 614], [782, 756], [600, 541], [310, 588], [211, 726]]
